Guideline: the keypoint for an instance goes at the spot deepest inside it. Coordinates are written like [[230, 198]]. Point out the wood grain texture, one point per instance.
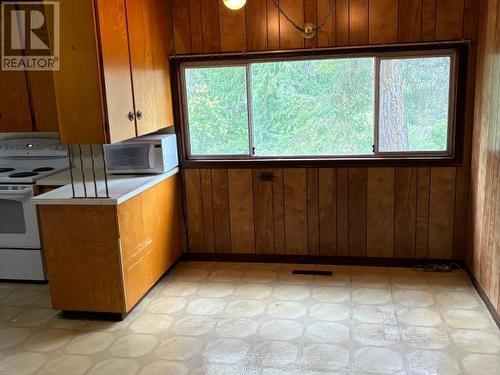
[[410, 21], [43, 101], [15, 111], [241, 211], [181, 27], [312, 204], [484, 219], [380, 212], [290, 37], [449, 19], [220, 197], [195, 22], [327, 35], [358, 22], [343, 211], [279, 211], [311, 18], [357, 211], [441, 212], [194, 209], [383, 21], [327, 211], [264, 219], [82, 258], [210, 21], [405, 212], [116, 67], [207, 209], [294, 187], [151, 237], [256, 25], [345, 206], [232, 29], [150, 45]]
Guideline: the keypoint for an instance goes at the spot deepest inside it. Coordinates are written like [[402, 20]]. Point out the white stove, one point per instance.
[[22, 162]]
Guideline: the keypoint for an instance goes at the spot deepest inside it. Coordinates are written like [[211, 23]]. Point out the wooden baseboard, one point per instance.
[[317, 259], [493, 311]]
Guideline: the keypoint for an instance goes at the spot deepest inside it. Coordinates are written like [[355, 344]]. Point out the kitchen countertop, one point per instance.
[[121, 188]]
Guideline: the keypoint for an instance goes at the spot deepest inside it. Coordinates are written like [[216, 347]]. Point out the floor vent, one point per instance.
[[312, 272]]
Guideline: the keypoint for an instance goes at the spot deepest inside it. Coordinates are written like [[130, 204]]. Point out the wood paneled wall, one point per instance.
[[390, 212], [484, 239]]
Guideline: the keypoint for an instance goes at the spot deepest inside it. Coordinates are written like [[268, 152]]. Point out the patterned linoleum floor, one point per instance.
[[227, 318]]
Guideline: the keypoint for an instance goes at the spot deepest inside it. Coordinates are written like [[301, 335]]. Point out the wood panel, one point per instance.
[[358, 22], [241, 211], [294, 187], [220, 199], [116, 65], [150, 45], [405, 212], [232, 29], [327, 34], [196, 26], [15, 111], [383, 21], [484, 220], [357, 211], [290, 37], [151, 227], [312, 204], [256, 25], [410, 20], [263, 207], [74, 271], [380, 212], [181, 27], [207, 210], [441, 212], [196, 230], [343, 198], [210, 25], [327, 211], [43, 101]]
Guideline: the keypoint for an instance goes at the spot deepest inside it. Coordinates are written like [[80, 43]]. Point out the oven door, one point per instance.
[[18, 218]]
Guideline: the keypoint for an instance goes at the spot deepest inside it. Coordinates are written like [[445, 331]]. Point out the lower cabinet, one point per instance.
[[106, 258]]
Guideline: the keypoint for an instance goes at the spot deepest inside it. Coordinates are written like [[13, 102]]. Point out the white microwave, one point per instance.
[[142, 155]]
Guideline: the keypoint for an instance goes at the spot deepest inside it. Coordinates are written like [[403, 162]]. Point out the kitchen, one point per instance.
[[217, 187]]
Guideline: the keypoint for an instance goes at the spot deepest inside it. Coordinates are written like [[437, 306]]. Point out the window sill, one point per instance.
[[437, 161]]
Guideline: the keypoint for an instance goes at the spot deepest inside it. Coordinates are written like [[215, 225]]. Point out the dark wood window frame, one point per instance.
[[460, 51]]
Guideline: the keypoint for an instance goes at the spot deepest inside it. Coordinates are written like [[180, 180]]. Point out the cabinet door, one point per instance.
[[150, 43], [15, 111], [116, 67]]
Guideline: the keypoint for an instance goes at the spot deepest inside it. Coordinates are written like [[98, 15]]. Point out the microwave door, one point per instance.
[[18, 220], [128, 157]]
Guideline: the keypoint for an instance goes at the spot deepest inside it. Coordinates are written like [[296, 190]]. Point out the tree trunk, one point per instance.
[[393, 130]]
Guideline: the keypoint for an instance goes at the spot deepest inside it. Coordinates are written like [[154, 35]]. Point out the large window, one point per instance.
[[379, 105]]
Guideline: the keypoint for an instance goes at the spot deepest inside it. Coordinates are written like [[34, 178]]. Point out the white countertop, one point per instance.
[[120, 187]]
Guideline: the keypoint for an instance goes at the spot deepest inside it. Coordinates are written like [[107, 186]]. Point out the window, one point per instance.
[[369, 105]]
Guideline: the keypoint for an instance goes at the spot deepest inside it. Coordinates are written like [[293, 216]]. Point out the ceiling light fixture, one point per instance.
[[235, 4], [308, 30]]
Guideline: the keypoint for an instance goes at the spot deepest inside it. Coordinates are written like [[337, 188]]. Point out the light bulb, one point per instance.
[[235, 4]]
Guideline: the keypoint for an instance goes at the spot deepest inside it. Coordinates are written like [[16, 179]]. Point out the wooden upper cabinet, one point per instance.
[[15, 111], [114, 64], [150, 45]]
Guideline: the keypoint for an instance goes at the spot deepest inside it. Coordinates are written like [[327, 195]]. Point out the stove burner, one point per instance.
[[43, 169], [3, 170], [22, 174]]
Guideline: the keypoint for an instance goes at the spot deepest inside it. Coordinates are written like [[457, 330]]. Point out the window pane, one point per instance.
[[414, 103], [313, 107], [217, 110]]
